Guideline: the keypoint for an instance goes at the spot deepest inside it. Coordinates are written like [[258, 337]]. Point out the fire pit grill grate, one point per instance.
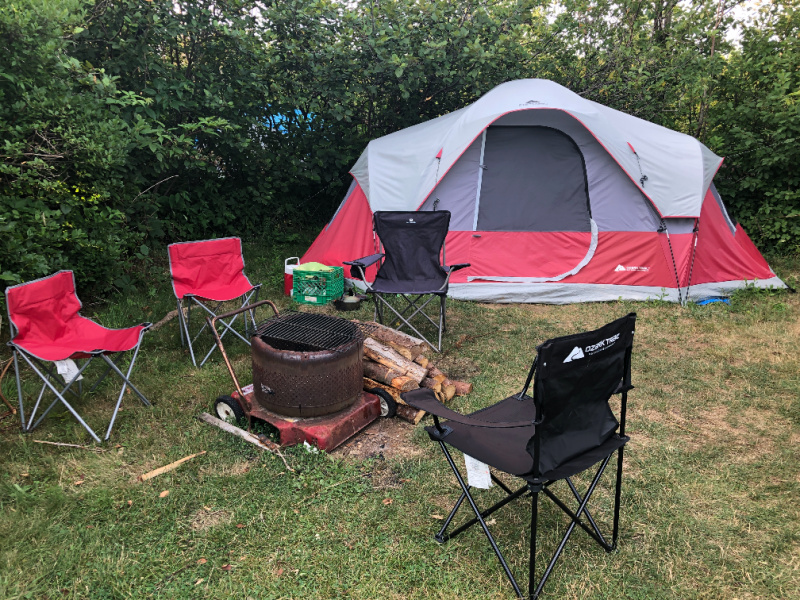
[[306, 332]]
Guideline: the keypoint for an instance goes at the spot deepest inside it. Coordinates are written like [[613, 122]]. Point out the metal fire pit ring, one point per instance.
[[307, 383]]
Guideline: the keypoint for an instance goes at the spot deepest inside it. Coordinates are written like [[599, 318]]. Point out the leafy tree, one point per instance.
[[755, 120], [62, 151]]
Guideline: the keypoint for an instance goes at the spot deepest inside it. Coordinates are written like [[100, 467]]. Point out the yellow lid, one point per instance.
[[312, 266]]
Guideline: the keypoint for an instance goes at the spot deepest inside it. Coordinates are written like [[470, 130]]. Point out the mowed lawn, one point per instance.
[[711, 495]]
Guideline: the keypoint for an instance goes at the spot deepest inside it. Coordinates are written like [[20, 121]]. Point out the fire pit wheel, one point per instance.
[[228, 409], [388, 404]]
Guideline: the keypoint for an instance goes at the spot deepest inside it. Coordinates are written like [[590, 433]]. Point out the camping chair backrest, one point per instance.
[[412, 242], [42, 308], [205, 264], [576, 376]]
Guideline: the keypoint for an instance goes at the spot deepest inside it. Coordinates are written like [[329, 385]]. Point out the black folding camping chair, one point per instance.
[[411, 267], [564, 429]]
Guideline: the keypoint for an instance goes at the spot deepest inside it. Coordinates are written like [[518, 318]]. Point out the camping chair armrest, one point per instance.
[[452, 268], [364, 262], [425, 399], [358, 266]]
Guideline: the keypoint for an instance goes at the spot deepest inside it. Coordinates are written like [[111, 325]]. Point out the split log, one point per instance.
[[422, 361], [462, 388], [410, 414], [386, 375], [435, 373], [394, 393], [404, 411], [390, 358], [408, 346], [169, 467], [431, 384], [448, 389]]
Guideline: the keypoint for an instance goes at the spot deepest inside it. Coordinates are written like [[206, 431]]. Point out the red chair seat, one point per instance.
[[80, 338]]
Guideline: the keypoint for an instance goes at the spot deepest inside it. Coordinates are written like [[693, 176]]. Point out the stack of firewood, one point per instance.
[[395, 362]]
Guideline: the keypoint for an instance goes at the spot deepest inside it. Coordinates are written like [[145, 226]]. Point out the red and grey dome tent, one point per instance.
[[554, 198]]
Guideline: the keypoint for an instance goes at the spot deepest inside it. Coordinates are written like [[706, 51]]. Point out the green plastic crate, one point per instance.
[[318, 287]]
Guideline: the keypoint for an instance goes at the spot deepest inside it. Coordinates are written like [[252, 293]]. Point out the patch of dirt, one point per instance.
[[205, 519], [751, 439], [389, 438]]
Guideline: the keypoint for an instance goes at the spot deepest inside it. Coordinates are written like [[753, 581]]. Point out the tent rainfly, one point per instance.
[[554, 199]]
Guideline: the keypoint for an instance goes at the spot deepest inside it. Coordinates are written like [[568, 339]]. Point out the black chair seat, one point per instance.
[[501, 448], [419, 286]]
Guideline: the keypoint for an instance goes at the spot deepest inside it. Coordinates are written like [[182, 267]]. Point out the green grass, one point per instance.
[[710, 500]]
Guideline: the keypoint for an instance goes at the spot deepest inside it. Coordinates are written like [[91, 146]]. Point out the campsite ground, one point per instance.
[[712, 475]]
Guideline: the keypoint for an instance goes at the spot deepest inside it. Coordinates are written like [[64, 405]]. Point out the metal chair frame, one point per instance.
[[185, 319]]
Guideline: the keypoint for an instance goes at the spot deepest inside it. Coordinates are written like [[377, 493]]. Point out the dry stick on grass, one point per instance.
[[169, 467], [246, 436], [90, 448]]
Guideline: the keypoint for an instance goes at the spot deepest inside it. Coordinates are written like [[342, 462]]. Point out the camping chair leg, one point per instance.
[[406, 320], [19, 389], [184, 325], [534, 524], [441, 537], [441, 323], [105, 374], [228, 327], [60, 397], [126, 382], [617, 499], [576, 516], [575, 521], [477, 512], [511, 496]]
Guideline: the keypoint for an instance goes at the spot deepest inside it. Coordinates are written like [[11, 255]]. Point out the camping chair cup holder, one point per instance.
[[564, 429], [49, 334], [205, 275], [410, 268]]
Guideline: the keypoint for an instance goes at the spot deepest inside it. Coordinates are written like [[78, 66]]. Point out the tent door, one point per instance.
[[532, 179], [533, 218]]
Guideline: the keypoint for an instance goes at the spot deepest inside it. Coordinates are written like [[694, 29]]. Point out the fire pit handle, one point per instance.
[[212, 323]]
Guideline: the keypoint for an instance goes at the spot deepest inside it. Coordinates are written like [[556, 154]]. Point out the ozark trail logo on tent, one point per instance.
[[411, 221], [621, 268], [574, 355]]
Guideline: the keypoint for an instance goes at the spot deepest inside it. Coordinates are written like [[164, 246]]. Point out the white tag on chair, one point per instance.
[[477, 473], [68, 369]]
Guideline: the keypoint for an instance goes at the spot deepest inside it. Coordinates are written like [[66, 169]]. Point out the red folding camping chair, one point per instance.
[[46, 327], [206, 274]]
